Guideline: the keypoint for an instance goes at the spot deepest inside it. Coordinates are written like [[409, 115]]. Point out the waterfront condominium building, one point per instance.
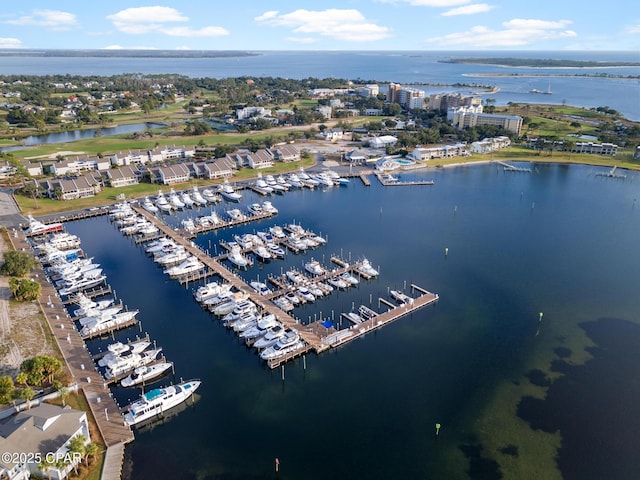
[[467, 117], [409, 98]]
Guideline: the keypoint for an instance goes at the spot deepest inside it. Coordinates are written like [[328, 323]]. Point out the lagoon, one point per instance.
[[560, 240]]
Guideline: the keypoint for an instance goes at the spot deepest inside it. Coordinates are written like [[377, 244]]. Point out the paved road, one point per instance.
[[9, 211]]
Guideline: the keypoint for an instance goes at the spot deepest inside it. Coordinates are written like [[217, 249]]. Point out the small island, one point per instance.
[[538, 62]]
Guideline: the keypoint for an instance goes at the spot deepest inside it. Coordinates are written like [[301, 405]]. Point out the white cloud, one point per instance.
[[429, 3], [469, 9], [633, 29], [52, 19], [140, 20], [345, 25], [517, 32], [10, 43], [266, 16]]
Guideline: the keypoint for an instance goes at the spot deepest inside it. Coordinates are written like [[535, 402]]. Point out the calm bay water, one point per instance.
[[405, 67], [560, 240]]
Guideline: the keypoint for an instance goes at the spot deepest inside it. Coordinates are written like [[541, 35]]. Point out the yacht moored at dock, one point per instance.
[[156, 402]]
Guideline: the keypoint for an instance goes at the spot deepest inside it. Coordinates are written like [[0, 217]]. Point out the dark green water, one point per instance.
[[560, 241]]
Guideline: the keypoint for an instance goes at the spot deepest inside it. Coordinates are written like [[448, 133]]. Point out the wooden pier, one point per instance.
[[113, 430], [512, 168], [611, 174], [408, 183]]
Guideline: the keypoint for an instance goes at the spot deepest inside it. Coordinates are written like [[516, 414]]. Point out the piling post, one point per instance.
[[437, 429]]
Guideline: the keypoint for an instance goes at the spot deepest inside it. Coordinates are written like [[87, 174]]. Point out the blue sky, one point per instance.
[[326, 25]]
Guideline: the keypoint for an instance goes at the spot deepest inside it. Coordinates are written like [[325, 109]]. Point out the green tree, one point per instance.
[[17, 263], [24, 290], [6, 388], [91, 450], [78, 445], [41, 368], [26, 394], [45, 466]]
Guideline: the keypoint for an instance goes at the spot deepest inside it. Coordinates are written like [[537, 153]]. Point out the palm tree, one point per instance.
[[91, 449]]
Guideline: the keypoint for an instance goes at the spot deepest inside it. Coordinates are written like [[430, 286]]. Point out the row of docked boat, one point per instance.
[[174, 258], [180, 200], [129, 222], [270, 185], [238, 312]]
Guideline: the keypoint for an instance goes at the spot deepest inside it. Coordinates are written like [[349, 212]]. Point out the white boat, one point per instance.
[[277, 232], [283, 304], [292, 297], [270, 337], [224, 307], [255, 209], [187, 200], [86, 305], [237, 258], [209, 290], [242, 307], [63, 241], [81, 285], [261, 327], [306, 179], [290, 342], [210, 196], [268, 207], [295, 277], [236, 214], [179, 254], [260, 287], [263, 186], [126, 363], [276, 251], [103, 314], [197, 197], [315, 290], [354, 317], [159, 244], [314, 267], [102, 325], [244, 322], [116, 349], [175, 201], [337, 282], [323, 179], [229, 194], [366, 313], [190, 265], [350, 279], [262, 253], [304, 293], [36, 227], [157, 401], [295, 181], [145, 374], [400, 297], [325, 286], [148, 205], [162, 203], [283, 181], [367, 269]]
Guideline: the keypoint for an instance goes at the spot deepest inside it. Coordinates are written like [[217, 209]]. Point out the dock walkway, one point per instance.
[[104, 408]]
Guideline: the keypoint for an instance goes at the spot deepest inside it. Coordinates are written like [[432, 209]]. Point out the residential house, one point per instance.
[[260, 159], [123, 176], [170, 174], [382, 141], [488, 145], [217, 168], [41, 432], [71, 188], [285, 153], [161, 154], [440, 151], [34, 168], [137, 157], [332, 134]]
